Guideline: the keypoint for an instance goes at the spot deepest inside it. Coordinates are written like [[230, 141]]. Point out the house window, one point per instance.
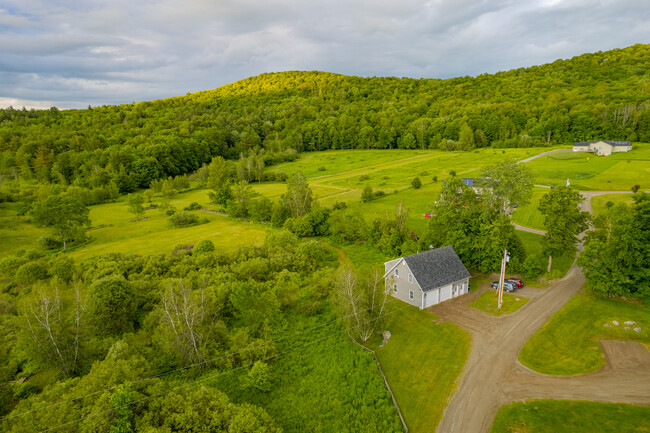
[[394, 288], [397, 273], [410, 294], [410, 278]]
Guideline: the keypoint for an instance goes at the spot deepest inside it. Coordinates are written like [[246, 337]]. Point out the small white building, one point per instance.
[[427, 278], [602, 147]]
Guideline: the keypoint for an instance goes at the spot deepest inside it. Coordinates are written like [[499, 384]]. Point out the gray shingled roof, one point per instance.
[[436, 268], [613, 143]]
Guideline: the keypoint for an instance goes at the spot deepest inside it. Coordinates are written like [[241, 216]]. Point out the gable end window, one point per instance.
[[397, 273], [394, 288], [410, 294], [410, 278]]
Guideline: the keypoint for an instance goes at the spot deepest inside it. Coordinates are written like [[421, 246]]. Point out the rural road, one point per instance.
[[543, 154], [493, 376]]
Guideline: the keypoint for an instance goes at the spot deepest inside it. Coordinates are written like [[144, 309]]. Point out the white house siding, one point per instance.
[[621, 148], [444, 293], [403, 285], [432, 297]]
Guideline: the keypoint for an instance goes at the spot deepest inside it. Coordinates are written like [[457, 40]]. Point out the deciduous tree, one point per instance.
[[65, 215]]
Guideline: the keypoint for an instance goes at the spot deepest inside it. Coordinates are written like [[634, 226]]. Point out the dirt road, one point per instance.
[[493, 377]]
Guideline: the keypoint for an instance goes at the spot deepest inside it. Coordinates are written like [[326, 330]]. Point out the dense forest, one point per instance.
[[107, 149]]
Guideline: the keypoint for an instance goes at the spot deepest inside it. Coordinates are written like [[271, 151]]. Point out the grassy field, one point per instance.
[[114, 229], [552, 416], [422, 361], [599, 203], [568, 343], [586, 171], [488, 302], [342, 175], [16, 232]]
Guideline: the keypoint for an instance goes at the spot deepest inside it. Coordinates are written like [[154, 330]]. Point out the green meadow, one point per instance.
[[568, 343], [341, 175], [551, 416], [417, 345]]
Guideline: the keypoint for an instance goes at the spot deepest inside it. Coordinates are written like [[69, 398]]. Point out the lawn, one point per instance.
[[568, 343], [488, 302], [529, 215], [599, 202], [551, 416], [422, 361], [586, 171]]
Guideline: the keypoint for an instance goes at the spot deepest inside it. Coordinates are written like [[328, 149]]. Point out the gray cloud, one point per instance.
[[72, 54]]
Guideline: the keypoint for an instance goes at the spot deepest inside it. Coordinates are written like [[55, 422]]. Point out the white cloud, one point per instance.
[[102, 52]]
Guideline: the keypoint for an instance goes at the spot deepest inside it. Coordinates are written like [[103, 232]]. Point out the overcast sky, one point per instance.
[[76, 53]]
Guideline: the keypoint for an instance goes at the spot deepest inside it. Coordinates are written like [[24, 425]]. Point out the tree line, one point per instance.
[[592, 96]]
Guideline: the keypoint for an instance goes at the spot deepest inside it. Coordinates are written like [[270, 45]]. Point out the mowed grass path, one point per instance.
[[568, 343], [422, 361], [552, 416]]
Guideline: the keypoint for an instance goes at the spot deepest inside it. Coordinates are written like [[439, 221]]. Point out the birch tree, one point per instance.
[[184, 313], [362, 299]]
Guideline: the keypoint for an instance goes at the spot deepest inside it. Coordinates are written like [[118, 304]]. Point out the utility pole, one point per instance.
[[502, 277]]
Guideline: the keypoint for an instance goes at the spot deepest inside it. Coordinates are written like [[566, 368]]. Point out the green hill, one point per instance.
[[593, 96]]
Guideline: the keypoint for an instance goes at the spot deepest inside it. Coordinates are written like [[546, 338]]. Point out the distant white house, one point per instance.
[[602, 147], [427, 278]]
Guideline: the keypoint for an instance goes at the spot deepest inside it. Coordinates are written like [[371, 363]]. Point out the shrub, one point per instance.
[[416, 183], [364, 177], [184, 219], [434, 178], [533, 266], [321, 168], [30, 273], [9, 265], [170, 212], [367, 194], [452, 173], [204, 246], [63, 268], [379, 193], [193, 206], [112, 305], [50, 243]]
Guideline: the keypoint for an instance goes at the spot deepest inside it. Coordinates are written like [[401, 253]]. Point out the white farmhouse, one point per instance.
[[602, 147]]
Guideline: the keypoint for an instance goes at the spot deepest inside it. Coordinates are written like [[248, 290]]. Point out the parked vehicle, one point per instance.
[[517, 281], [507, 286]]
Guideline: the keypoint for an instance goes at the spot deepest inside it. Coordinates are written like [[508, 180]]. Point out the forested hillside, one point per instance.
[[593, 96]]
